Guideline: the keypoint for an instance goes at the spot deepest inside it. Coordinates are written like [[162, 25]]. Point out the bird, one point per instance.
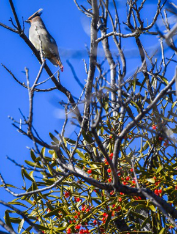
[[41, 39]]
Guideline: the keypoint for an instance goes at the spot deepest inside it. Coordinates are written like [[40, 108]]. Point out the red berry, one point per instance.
[[109, 180], [127, 178], [89, 171], [119, 199], [124, 183], [110, 137], [109, 170], [112, 192], [67, 194], [166, 143], [119, 174], [176, 187], [160, 191], [111, 155], [106, 162], [94, 222], [131, 169], [160, 138], [83, 208], [105, 215], [85, 231], [78, 226], [68, 231], [118, 208], [81, 231], [121, 193], [78, 199], [133, 181], [154, 127], [156, 192]]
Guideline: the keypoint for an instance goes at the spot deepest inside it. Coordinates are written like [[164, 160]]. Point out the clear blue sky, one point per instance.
[[63, 21], [70, 29]]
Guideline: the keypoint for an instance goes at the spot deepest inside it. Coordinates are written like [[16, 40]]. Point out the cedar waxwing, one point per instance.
[[41, 38]]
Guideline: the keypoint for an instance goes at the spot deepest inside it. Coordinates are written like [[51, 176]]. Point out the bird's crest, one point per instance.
[[37, 13]]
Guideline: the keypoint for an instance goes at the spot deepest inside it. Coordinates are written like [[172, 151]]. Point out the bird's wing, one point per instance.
[[53, 47]]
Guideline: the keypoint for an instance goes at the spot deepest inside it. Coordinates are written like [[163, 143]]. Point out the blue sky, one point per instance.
[[63, 21], [70, 29]]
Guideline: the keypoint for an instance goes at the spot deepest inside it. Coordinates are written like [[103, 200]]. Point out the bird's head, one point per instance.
[[34, 16]]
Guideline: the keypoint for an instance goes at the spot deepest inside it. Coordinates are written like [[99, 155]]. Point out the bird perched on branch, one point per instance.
[[42, 40]]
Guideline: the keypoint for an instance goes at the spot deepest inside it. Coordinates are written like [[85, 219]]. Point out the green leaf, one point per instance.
[[27, 230], [32, 164], [145, 146], [134, 83], [87, 137], [152, 208], [60, 229], [53, 212], [137, 215], [136, 106], [174, 104], [70, 141], [43, 151], [9, 185], [54, 138], [33, 156], [17, 203], [15, 220], [108, 220], [162, 231], [159, 169], [27, 175], [41, 227], [49, 169], [20, 225], [7, 219], [163, 78], [80, 154], [151, 180]]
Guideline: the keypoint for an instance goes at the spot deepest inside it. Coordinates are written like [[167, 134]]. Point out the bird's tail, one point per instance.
[[60, 64], [57, 62]]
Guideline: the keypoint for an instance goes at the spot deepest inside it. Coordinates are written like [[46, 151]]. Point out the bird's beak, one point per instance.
[[27, 21]]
